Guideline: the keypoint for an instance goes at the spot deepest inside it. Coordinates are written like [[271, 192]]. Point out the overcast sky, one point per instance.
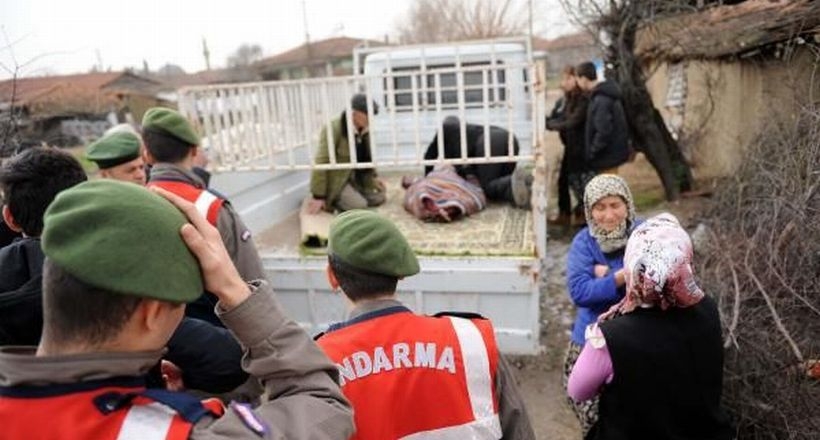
[[68, 36]]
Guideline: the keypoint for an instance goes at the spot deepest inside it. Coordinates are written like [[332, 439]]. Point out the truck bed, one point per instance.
[[498, 230]]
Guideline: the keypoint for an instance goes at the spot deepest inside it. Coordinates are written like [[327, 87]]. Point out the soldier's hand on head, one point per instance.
[[219, 274]]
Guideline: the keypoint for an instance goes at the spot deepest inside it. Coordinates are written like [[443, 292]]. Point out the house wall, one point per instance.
[[729, 103]]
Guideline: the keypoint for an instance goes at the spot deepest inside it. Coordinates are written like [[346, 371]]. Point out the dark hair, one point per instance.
[[74, 311], [165, 147], [360, 284], [31, 180], [568, 70], [587, 70]]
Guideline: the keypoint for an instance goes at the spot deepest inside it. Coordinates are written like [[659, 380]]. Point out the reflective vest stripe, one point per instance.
[[147, 422], [485, 429], [476, 367], [207, 203], [203, 203]]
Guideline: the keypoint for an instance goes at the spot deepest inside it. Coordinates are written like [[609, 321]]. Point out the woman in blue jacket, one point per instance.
[[595, 275]]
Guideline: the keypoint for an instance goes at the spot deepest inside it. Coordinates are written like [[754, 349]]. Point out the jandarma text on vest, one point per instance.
[[420, 355]]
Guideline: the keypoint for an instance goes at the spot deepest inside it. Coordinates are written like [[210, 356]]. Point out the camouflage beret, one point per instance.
[[123, 238], [368, 241], [114, 149], [171, 122]]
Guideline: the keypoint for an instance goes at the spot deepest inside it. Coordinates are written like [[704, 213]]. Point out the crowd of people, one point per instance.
[[124, 294]]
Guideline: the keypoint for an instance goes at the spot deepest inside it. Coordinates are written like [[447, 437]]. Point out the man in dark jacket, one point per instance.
[[503, 181], [570, 122], [606, 129], [29, 182]]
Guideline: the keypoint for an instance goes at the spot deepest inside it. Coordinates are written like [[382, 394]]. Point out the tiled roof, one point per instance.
[[728, 30], [30, 89], [80, 93], [337, 47]]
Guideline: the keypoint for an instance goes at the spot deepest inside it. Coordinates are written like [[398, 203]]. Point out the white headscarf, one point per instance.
[[605, 185]]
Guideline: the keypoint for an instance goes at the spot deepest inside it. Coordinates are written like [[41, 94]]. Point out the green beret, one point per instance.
[[123, 238], [114, 149], [368, 241], [170, 122]]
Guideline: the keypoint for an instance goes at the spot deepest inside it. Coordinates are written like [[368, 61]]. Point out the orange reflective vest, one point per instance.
[[207, 203], [413, 377], [111, 409]]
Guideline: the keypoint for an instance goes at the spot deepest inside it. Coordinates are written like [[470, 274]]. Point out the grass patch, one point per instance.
[[79, 154], [647, 199]]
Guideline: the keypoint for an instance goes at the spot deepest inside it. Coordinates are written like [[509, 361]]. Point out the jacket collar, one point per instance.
[[168, 171], [368, 310], [19, 366]]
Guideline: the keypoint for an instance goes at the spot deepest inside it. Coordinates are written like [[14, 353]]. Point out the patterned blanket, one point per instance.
[[442, 195]]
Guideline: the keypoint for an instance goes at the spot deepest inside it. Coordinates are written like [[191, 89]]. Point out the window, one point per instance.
[[448, 86]]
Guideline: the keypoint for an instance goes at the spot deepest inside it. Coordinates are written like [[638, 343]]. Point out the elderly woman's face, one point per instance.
[[609, 212]]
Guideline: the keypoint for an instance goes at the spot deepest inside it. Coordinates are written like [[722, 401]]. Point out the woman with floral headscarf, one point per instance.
[[656, 357], [595, 276]]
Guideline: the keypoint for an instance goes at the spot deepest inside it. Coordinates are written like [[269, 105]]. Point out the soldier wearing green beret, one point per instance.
[[172, 148], [346, 189], [404, 373], [118, 155], [115, 287]]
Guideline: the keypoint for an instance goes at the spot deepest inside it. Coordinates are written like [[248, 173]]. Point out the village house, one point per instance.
[[723, 75], [329, 57], [74, 109]]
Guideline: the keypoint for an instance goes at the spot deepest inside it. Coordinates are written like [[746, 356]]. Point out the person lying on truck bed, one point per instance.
[[503, 181], [408, 375], [346, 189]]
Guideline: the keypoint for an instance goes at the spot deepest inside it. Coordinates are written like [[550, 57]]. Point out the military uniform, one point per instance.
[[510, 411], [235, 234], [393, 362], [102, 394], [187, 184], [275, 349]]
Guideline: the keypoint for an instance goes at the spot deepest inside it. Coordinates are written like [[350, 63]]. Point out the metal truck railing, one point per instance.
[[275, 125]]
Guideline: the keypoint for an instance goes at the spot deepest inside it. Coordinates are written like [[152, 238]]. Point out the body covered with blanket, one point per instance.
[[442, 195]]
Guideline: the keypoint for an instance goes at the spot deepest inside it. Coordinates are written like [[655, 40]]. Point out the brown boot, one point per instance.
[[563, 219]]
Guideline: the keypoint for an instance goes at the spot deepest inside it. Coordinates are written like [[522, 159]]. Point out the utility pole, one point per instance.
[[206, 53], [308, 54], [305, 21], [529, 7], [99, 60]]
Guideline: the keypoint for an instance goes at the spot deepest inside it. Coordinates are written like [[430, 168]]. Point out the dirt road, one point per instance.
[[540, 376]]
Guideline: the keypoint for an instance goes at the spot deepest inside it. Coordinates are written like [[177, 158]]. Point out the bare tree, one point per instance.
[[10, 113], [450, 20], [617, 23], [245, 55]]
